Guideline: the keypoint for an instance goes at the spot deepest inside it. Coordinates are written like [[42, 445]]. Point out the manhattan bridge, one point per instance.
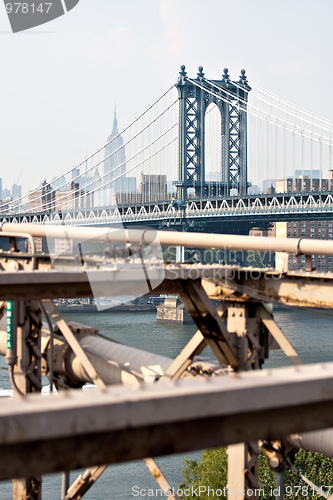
[[206, 154], [211, 156]]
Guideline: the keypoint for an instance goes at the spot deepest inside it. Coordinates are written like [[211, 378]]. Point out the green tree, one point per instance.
[[211, 472]]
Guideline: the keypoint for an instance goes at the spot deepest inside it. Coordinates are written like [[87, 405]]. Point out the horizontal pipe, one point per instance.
[[299, 246], [115, 363], [318, 441]]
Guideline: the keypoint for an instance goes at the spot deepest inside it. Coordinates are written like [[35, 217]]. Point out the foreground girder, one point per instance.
[[294, 288], [79, 429]]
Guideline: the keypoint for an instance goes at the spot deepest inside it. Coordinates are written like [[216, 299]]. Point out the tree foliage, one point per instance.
[[211, 472]]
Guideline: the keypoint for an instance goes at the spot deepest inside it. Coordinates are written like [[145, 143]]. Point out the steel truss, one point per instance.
[[240, 331], [194, 99], [270, 207]]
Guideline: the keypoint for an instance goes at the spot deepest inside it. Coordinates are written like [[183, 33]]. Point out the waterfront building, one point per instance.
[[305, 181], [317, 229]]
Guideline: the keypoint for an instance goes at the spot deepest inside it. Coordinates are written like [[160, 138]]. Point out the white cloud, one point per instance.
[[114, 48], [174, 38], [97, 53]]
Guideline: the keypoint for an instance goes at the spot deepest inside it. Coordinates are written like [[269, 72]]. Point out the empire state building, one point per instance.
[[115, 160]]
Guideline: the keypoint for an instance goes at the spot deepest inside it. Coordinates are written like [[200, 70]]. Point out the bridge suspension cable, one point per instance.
[[283, 141], [286, 108], [99, 162], [293, 106], [67, 198], [279, 117], [147, 121], [249, 107]]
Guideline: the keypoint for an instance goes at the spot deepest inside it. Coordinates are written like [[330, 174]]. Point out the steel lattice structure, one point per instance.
[[194, 98]]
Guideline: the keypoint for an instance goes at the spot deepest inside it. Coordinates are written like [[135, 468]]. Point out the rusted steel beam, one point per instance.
[[74, 344], [84, 482], [300, 289], [296, 288], [77, 429], [179, 365], [213, 329], [160, 479], [279, 336]]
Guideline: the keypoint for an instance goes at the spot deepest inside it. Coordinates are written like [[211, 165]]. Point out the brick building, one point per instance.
[[153, 187], [316, 229]]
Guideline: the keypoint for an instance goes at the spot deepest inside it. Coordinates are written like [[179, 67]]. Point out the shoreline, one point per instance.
[[133, 308]]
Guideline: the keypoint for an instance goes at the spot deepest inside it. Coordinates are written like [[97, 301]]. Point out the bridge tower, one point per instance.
[[195, 95]]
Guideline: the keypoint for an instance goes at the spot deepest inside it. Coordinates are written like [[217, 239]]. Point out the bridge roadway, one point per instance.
[[257, 209]]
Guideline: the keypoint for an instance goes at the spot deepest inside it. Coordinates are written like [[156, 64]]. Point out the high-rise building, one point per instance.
[[311, 174], [16, 191], [6, 194], [307, 184], [115, 161], [268, 185], [153, 187], [305, 181], [46, 199], [75, 174], [41, 199], [60, 184], [317, 229]]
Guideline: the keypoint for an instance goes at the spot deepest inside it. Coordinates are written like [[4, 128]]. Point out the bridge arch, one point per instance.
[[213, 148], [195, 96]]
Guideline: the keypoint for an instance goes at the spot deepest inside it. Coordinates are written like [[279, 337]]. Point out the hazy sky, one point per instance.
[[60, 81]]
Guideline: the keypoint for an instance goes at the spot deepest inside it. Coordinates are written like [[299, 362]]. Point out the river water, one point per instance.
[[310, 332]]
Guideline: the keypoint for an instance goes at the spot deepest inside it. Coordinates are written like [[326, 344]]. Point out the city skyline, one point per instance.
[[77, 66]]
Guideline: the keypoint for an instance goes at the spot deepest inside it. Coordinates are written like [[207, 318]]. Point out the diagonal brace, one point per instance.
[[204, 314], [279, 336], [194, 347], [160, 479], [84, 482], [73, 343]]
